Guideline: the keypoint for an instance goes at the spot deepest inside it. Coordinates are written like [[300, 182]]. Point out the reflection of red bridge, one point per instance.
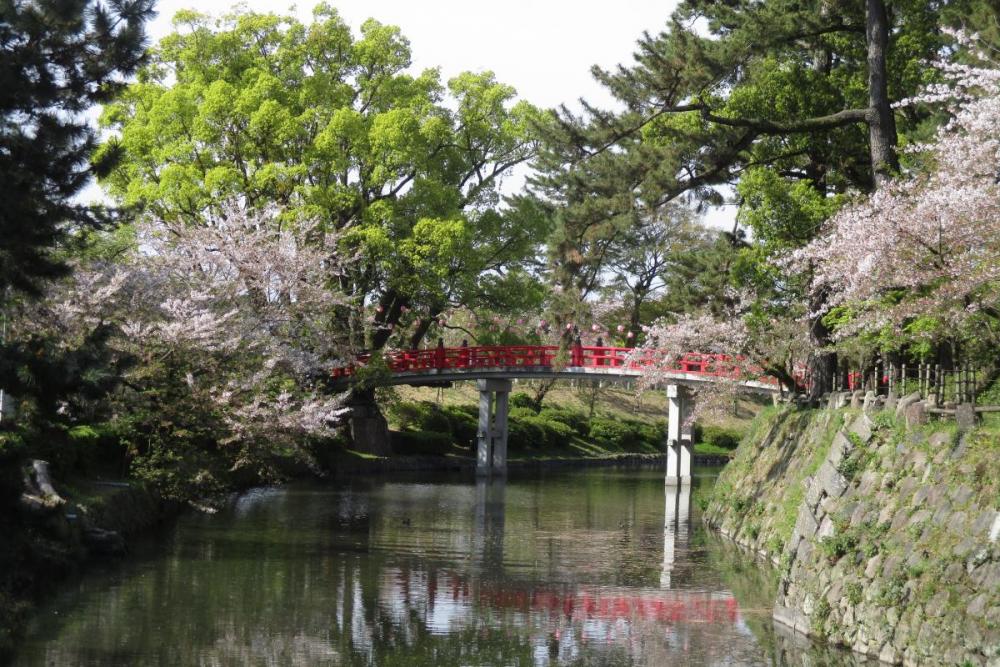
[[664, 606], [583, 602], [448, 364]]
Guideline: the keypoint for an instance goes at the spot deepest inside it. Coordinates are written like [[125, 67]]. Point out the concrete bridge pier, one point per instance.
[[491, 455], [679, 438]]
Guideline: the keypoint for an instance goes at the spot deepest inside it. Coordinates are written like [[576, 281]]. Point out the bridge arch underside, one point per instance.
[[495, 385]]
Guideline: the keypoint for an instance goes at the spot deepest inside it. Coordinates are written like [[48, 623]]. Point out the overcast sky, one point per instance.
[[544, 48]]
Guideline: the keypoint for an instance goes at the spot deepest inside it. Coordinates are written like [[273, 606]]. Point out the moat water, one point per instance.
[[588, 567]]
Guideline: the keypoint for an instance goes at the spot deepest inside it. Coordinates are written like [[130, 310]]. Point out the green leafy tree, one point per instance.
[[334, 128], [642, 258], [702, 276]]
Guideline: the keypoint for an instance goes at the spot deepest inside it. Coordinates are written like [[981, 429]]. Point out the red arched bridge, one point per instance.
[[494, 367], [452, 364]]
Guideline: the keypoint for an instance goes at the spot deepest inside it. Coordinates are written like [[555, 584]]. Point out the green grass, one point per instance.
[[710, 449]]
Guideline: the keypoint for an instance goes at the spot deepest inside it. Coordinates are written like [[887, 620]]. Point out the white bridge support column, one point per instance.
[[491, 455], [679, 405]]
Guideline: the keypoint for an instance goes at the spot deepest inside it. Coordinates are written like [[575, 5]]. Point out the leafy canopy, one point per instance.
[[333, 127]]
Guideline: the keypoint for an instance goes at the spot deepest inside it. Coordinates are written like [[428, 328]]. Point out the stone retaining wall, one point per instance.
[[894, 547]]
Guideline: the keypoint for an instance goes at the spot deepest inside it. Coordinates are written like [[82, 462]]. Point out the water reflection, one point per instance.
[[676, 522], [584, 568]]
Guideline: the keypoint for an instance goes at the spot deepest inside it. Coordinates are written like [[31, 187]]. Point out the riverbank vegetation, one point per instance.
[[285, 196]]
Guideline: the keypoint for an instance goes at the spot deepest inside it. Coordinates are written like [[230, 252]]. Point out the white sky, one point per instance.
[[544, 48]]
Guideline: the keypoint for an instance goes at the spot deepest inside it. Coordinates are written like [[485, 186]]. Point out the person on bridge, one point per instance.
[[463, 354], [577, 353], [439, 355], [599, 353]]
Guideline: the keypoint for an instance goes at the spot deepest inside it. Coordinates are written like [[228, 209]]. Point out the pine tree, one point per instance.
[[790, 99], [58, 58]]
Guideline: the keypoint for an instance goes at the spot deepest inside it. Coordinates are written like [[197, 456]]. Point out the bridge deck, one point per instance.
[[444, 364]]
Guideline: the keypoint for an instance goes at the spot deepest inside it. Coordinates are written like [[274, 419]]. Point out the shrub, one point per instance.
[[521, 413], [724, 438], [421, 416], [423, 443], [555, 434], [524, 433], [838, 545], [523, 400], [654, 435], [464, 426], [612, 432], [575, 420]]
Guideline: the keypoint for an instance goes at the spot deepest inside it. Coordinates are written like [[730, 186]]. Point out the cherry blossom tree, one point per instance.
[[756, 347], [226, 329], [920, 258]]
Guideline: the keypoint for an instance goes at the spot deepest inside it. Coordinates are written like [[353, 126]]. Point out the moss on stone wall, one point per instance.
[[756, 499], [887, 538]]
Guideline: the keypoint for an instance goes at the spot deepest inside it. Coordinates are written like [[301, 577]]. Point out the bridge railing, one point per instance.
[[548, 356]]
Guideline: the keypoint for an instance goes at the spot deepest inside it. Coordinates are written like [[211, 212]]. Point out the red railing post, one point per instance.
[[577, 353]]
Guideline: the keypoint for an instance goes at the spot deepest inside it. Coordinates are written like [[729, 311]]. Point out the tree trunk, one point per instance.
[[423, 326], [542, 389], [369, 429], [822, 364], [881, 123]]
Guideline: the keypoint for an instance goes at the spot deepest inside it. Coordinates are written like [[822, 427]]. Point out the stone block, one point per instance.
[[826, 529], [805, 524], [856, 398], [889, 655], [891, 401], [871, 401], [814, 494], [916, 415], [872, 566], [840, 447], [858, 514], [832, 481], [962, 494], [965, 417], [906, 402], [829, 505], [804, 551], [870, 482], [841, 399], [862, 427], [886, 513], [940, 440], [791, 618], [984, 521]]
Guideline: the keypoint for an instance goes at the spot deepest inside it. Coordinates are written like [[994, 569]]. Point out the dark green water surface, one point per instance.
[[569, 568]]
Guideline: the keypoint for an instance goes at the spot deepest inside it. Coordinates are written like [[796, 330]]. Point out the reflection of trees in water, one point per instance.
[[564, 571]]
